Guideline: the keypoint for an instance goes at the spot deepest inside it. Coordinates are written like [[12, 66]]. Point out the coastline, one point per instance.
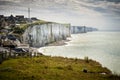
[[59, 43], [106, 56], [40, 67], [63, 42]]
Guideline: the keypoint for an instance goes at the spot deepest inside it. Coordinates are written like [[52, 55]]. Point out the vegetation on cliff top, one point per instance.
[[22, 27], [53, 68]]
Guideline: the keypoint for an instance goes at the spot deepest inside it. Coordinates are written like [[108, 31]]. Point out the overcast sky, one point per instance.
[[102, 14]]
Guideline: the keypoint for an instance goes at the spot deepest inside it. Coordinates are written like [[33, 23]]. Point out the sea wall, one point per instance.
[[43, 34]]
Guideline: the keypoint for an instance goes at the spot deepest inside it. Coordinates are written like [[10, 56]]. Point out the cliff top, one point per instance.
[[22, 27]]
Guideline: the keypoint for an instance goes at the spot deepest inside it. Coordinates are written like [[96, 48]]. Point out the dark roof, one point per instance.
[[11, 37], [1, 16]]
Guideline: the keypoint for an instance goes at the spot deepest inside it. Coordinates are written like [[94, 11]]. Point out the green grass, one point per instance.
[[53, 68], [22, 27], [39, 22]]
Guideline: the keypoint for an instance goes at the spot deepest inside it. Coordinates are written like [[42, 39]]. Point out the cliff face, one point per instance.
[[81, 29], [78, 29], [40, 35]]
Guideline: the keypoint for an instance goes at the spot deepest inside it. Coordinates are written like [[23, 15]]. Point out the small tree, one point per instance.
[[86, 59]]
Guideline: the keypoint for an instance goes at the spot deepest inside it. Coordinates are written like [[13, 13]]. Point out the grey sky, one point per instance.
[[102, 14]]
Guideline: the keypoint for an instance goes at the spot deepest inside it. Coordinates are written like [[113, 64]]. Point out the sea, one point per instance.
[[102, 46]]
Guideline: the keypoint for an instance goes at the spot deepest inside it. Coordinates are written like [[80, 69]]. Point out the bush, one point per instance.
[[46, 67], [86, 59], [69, 67], [18, 30], [6, 69], [59, 67], [76, 59]]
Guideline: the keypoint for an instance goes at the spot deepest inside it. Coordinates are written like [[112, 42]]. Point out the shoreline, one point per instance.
[[103, 72], [59, 43], [62, 43]]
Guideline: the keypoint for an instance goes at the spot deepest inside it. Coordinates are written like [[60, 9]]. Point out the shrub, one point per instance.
[[6, 69], [18, 30], [69, 67], [76, 59], [86, 59], [85, 70], [46, 67], [59, 67]]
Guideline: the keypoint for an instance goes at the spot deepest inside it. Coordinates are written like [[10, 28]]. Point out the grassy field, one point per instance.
[[53, 68]]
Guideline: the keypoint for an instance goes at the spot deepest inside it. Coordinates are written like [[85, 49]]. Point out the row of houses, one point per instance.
[[11, 21]]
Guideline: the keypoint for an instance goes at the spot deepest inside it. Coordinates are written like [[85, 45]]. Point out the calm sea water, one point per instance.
[[103, 47]]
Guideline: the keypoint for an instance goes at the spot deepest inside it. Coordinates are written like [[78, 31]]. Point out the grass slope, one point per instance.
[[53, 68]]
